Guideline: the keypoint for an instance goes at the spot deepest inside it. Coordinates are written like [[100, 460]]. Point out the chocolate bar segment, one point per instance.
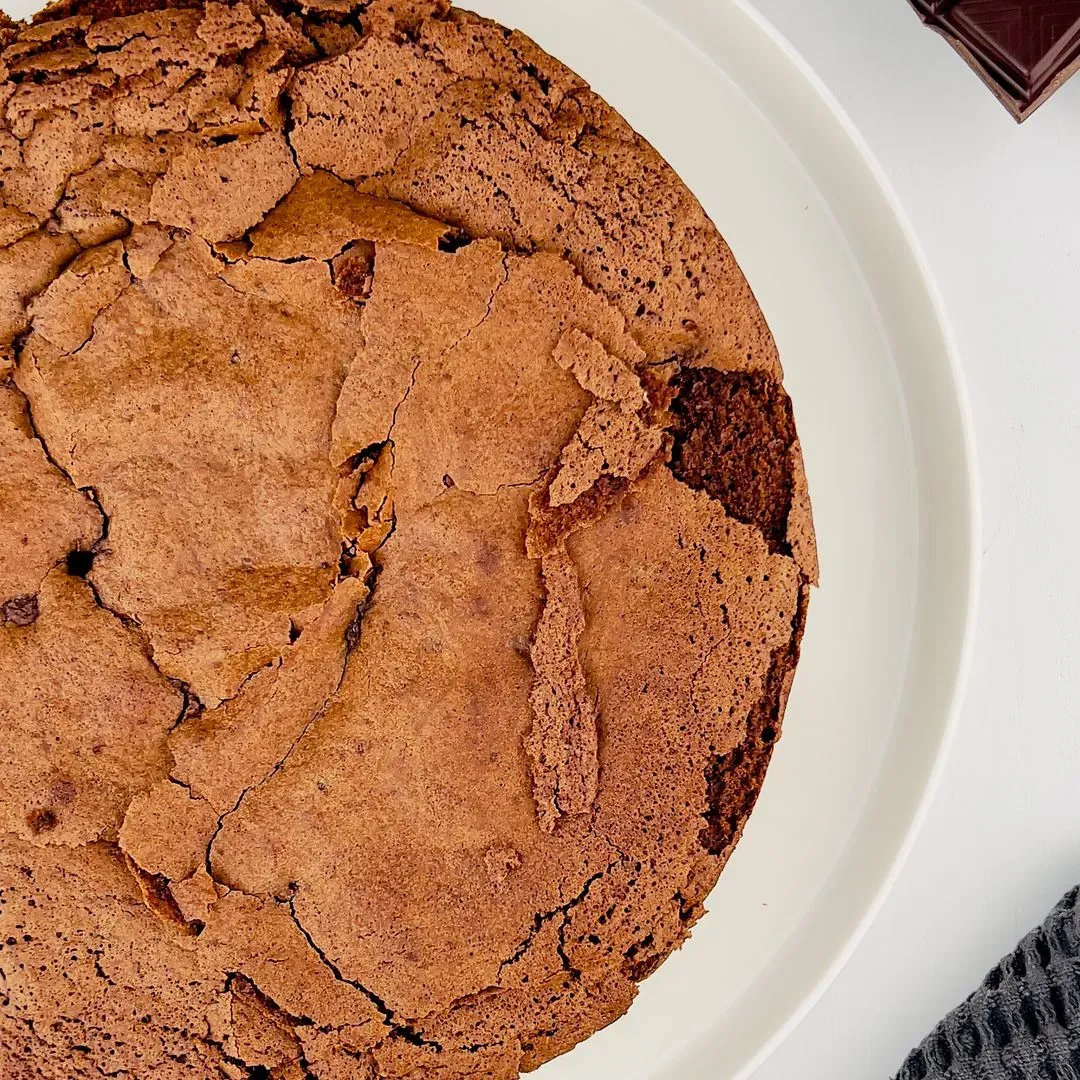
[[1022, 50]]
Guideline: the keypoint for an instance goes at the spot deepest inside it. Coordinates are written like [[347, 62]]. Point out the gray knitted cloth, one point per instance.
[[1023, 1022]]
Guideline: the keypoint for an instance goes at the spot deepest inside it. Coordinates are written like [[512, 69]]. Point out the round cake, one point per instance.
[[404, 546]]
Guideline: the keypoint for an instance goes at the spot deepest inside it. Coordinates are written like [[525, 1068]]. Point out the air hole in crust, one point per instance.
[[454, 242], [79, 563]]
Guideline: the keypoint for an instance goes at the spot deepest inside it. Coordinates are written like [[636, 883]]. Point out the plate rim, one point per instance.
[[967, 521]]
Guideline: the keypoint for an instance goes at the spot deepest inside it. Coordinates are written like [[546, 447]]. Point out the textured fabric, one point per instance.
[[1023, 1022]]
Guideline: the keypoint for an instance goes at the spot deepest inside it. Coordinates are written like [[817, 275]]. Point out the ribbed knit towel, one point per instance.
[[1023, 1022]]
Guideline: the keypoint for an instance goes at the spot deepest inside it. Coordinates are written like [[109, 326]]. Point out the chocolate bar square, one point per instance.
[[1022, 50]]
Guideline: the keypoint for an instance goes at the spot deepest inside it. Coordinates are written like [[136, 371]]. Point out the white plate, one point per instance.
[[885, 434]]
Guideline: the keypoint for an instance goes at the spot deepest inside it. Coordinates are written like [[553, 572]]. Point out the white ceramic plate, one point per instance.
[[886, 440]]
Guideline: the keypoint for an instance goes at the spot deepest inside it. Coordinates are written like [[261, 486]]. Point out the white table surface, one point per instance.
[[995, 209]]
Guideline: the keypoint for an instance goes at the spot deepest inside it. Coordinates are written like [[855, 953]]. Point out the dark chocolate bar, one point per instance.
[[1022, 49]]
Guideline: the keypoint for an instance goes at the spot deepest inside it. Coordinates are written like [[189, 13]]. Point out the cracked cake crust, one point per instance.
[[404, 546]]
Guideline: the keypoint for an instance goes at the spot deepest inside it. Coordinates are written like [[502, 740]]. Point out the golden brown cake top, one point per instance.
[[404, 547]]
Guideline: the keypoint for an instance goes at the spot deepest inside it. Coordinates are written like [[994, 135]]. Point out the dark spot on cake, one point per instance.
[[638, 966], [348, 553], [733, 780], [642, 969], [354, 270], [354, 281], [64, 792], [455, 241], [487, 558], [733, 432], [42, 820], [79, 563], [20, 610], [352, 633]]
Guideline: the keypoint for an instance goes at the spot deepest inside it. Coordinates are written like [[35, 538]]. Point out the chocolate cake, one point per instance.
[[404, 546]]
